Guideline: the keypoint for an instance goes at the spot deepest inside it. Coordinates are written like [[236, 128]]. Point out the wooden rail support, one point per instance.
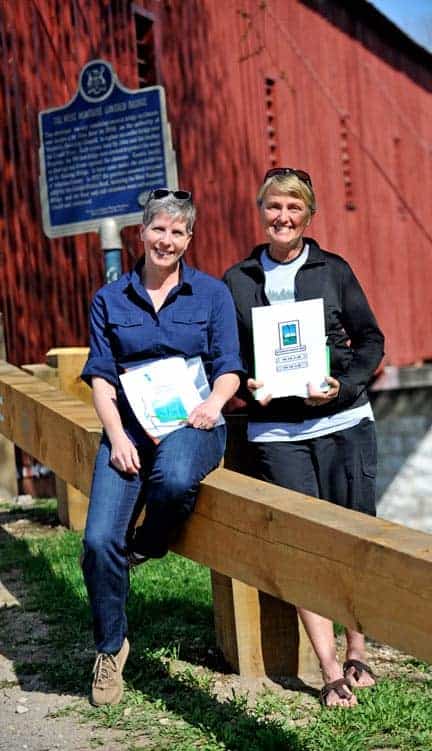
[[68, 363], [258, 634], [366, 573], [8, 471], [62, 370], [58, 430]]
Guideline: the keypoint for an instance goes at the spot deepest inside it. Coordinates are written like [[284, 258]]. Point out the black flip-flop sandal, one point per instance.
[[359, 668], [341, 687]]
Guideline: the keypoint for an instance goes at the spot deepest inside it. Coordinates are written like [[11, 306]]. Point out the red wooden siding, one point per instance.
[[329, 86]]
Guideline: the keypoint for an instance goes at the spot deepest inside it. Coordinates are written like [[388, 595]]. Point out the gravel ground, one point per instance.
[[30, 712], [28, 721]]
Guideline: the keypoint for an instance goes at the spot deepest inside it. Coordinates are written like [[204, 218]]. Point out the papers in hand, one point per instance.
[[290, 348], [163, 393]]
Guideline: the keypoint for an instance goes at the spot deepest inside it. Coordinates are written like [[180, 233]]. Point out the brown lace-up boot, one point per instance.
[[107, 686]]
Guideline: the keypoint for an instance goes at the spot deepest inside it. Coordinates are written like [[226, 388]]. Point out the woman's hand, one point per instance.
[[205, 414], [124, 455], [318, 398], [253, 385]]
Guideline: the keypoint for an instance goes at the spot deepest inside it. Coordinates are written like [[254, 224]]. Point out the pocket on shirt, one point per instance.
[[189, 329], [128, 333]]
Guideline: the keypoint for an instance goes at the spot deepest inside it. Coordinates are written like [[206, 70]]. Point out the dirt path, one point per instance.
[[30, 712]]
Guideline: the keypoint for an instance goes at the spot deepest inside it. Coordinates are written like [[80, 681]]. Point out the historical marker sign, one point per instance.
[[102, 151]]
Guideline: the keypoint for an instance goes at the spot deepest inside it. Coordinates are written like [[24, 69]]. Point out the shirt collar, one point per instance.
[[185, 284], [315, 255]]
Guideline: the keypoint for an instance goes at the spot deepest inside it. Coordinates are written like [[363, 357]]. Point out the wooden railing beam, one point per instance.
[[366, 573]]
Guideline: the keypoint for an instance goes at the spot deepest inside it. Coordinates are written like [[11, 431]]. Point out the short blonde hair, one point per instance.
[[293, 186]]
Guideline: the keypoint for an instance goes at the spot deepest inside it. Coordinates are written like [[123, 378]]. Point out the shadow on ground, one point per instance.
[[47, 637]]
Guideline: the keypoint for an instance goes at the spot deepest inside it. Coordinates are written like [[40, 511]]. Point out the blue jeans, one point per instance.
[[167, 485]]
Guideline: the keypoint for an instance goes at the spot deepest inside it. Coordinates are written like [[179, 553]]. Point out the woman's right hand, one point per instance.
[[253, 385], [124, 455]]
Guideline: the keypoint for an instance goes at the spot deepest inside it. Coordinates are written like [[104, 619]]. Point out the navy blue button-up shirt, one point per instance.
[[197, 318]]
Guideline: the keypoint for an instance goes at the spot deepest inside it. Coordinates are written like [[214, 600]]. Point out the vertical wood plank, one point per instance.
[[68, 362], [8, 474], [260, 635], [257, 633]]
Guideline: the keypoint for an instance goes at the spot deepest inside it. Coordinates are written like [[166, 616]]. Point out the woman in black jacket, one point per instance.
[[323, 445]]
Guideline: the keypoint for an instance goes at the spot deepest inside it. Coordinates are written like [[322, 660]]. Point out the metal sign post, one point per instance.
[[101, 152], [111, 245]]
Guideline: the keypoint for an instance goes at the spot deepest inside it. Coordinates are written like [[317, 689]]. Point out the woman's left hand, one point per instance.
[[204, 415], [319, 398]]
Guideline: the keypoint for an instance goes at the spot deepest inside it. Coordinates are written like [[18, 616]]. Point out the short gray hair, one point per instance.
[[183, 208]]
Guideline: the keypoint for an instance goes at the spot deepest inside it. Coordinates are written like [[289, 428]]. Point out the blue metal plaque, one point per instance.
[[102, 151]]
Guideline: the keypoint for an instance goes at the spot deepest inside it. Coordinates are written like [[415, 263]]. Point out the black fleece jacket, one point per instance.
[[356, 343]]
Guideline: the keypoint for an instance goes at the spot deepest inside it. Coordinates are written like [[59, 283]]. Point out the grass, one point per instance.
[[173, 676]]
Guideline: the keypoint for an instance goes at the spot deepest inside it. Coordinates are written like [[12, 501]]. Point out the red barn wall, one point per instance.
[[312, 84]]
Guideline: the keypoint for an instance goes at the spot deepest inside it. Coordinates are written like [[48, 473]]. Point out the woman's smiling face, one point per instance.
[[284, 218], [165, 240]]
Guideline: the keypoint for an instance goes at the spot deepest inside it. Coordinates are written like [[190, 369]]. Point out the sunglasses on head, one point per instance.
[[181, 195], [301, 174]]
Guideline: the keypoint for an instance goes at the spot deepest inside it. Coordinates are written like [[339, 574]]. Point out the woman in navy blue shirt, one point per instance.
[[163, 308]]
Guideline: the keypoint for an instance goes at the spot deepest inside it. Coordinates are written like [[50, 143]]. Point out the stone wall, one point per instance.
[[404, 429]]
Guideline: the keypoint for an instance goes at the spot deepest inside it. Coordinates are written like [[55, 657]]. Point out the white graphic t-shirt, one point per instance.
[[280, 287], [280, 277]]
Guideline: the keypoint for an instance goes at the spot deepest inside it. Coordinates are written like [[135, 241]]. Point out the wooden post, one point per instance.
[[8, 472], [257, 633], [43, 372], [68, 363]]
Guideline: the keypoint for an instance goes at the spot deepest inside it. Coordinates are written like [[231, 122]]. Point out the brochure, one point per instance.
[[290, 348], [163, 393]]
